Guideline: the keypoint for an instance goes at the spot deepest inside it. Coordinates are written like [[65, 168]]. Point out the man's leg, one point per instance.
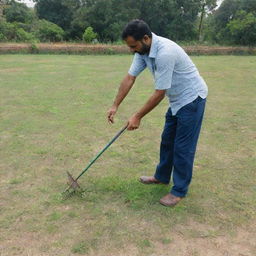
[[164, 168], [189, 120]]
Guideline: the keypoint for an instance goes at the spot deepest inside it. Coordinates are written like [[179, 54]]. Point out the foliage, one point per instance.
[[182, 20], [206, 6], [174, 19], [18, 12], [2, 37], [47, 31], [242, 30], [60, 12], [23, 36], [89, 35], [12, 32], [224, 27]]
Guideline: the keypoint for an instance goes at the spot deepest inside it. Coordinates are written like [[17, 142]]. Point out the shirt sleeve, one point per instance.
[[138, 65], [164, 66]]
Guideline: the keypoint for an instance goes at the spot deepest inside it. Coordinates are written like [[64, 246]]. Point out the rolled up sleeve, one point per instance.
[[138, 65], [164, 66]]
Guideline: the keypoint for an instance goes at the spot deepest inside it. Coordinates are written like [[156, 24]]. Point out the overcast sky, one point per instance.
[[30, 3]]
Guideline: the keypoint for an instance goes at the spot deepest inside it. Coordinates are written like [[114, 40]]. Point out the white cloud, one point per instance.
[[29, 3]]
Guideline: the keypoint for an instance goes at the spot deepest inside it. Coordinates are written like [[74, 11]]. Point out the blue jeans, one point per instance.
[[178, 146]]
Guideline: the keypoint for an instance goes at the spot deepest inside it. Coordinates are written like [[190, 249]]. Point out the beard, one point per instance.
[[144, 50]]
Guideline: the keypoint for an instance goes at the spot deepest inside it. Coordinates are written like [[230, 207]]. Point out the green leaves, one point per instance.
[[242, 30], [234, 23]]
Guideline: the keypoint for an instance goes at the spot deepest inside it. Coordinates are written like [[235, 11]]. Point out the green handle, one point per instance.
[[101, 152]]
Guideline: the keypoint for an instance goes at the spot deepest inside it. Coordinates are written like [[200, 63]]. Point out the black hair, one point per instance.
[[137, 29]]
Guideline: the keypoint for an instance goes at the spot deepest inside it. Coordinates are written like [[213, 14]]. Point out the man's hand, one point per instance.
[[111, 112], [124, 88], [133, 122]]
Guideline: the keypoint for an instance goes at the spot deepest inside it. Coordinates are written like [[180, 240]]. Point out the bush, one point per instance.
[[6, 29], [2, 37], [27, 27], [12, 32], [33, 48], [23, 36], [47, 31], [242, 29], [89, 35]]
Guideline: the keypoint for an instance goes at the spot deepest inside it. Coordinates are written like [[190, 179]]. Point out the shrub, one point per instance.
[[33, 48], [12, 32], [23, 36], [89, 35], [47, 31], [2, 37]]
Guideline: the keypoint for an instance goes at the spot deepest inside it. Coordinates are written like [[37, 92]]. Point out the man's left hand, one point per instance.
[[133, 123]]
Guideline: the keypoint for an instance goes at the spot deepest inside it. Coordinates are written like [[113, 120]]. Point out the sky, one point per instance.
[[219, 2], [30, 3]]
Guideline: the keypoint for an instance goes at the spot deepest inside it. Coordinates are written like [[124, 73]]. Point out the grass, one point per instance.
[[53, 119]]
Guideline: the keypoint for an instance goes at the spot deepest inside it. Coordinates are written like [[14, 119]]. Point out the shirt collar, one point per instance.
[[153, 47]]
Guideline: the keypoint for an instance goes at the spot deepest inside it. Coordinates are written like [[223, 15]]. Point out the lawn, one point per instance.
[[53, 120]]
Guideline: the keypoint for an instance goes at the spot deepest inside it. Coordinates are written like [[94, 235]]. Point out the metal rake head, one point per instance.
[[73, 187], [72, 182]]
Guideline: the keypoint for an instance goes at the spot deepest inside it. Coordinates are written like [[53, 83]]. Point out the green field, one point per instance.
[[53, 120]]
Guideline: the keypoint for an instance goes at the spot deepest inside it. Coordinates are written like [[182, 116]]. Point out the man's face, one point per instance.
[[140, 46]]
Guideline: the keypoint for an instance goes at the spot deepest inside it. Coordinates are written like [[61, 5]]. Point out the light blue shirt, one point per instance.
[[173, 71]]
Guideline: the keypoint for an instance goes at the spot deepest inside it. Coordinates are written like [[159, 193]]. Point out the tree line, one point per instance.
[[234, 22]]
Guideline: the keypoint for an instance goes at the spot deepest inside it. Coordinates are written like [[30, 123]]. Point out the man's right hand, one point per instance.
[[111, 112]]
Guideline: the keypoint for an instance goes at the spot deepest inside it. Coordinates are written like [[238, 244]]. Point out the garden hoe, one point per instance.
[[73, 185]]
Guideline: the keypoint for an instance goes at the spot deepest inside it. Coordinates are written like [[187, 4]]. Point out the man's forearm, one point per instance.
[[124, 88], [153, 101]]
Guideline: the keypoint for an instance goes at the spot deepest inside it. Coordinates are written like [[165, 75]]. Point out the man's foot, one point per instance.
[[149, 180], [170, 200]]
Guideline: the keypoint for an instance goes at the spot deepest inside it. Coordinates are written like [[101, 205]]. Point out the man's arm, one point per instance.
[[153, 101], [124, 88]]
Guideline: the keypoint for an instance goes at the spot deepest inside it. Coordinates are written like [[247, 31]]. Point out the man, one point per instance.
[[176, 77]]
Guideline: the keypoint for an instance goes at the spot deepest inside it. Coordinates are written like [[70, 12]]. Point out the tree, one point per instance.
[[47, 31], [12, 32], [206, 7], [107, 17], [18, 12], [170, 18], [183, 20], [223, 24], [3, 5], [60, 12], [242, 29], [248, 5], [89, 35]]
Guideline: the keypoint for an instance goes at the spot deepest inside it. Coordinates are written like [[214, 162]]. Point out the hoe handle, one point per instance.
[[101, 152]]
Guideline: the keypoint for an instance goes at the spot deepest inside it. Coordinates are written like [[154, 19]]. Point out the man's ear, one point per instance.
[[146, 38]]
